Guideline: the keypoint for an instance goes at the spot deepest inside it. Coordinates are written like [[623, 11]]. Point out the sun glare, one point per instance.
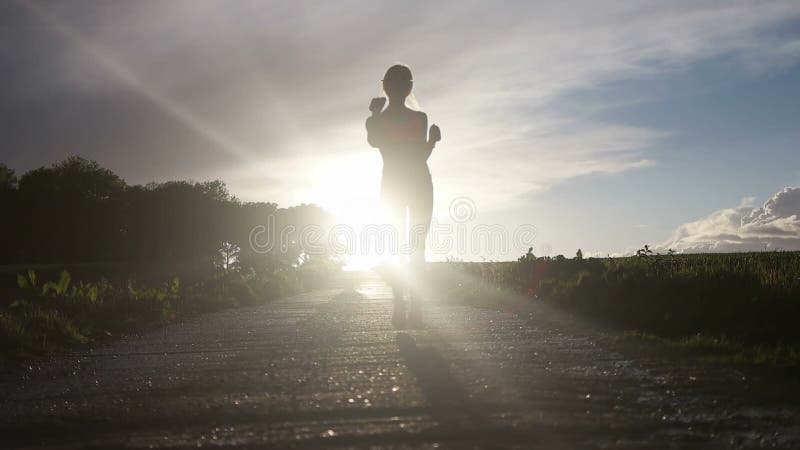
[[349, 189]]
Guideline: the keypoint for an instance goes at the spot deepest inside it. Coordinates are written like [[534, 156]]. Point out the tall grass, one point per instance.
[[750, 298]]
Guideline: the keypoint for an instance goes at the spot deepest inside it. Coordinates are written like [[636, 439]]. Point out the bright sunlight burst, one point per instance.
[[349, 188]]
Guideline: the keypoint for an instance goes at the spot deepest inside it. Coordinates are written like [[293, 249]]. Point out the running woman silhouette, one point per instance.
[[402, 136]]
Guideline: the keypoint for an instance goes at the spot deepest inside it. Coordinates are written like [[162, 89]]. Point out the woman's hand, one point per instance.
[[374, 135], [376, 105], [434, 135]]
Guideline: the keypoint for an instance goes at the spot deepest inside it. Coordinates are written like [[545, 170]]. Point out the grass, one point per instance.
[[740, 307], [715, 349], [39, 316]]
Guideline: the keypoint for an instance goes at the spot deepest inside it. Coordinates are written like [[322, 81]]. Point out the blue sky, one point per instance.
[[733, 134], [606, 125]]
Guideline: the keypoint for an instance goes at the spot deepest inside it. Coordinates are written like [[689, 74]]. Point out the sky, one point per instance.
[[599, 125]]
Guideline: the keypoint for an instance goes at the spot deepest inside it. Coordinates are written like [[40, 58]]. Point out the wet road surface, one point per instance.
[[327, 369]]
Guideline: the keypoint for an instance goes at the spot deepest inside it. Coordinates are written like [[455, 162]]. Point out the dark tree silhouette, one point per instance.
[[76, 211]]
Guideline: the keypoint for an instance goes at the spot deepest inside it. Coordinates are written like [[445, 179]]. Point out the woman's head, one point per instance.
[[397, 82]]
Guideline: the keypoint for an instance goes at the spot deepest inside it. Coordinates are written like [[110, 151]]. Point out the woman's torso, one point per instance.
[[403, 137]]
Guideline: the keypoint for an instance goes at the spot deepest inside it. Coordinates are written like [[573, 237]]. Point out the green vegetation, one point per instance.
[[744, 301], [712, 348], [49, 315], [136, 255]]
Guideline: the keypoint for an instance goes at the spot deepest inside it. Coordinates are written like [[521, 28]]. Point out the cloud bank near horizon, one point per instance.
[[745, 228]]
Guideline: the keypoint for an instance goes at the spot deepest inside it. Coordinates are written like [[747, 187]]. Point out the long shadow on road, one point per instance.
[[432, 372]]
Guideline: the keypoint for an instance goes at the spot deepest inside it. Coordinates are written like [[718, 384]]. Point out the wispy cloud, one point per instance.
[[289, 83]]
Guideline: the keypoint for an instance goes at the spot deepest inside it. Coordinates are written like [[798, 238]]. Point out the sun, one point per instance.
[[349, 188]]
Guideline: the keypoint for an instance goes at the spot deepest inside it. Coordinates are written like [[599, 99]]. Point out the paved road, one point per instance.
[[327, 369]]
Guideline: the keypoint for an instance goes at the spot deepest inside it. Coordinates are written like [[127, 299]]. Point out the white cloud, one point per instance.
[[774, 226]]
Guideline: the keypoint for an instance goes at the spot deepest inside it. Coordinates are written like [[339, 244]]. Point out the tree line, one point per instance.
[[76, 211]]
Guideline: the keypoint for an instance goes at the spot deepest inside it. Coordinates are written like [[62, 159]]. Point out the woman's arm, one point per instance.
[[372, 132], [428, 144]]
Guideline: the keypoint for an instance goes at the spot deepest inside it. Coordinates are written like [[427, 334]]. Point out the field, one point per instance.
[[747, 301]]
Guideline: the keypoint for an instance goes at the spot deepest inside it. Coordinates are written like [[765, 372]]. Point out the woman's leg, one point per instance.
[[395, 208], [420, 210]]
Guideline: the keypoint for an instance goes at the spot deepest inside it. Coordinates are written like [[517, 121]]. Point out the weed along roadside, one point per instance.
[[43, 315]]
